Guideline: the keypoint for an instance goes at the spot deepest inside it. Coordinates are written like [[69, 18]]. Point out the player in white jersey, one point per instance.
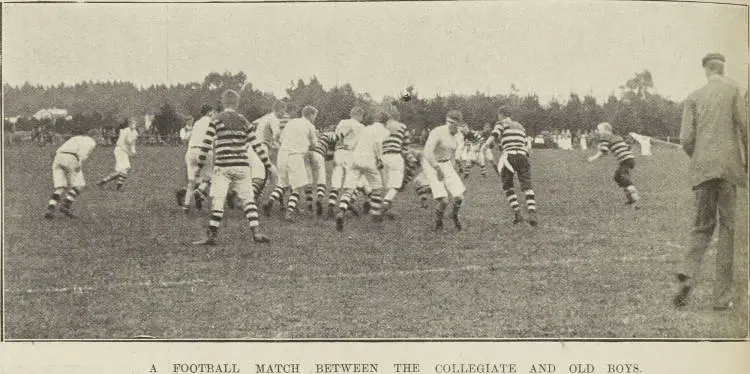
[[67, 173], [346, 131], [268, 129], [367, 162], [123, 150], [439, 152], [199, 178], [296, 140]]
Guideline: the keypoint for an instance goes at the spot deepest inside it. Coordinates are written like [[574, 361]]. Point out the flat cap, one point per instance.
[[713, 57]]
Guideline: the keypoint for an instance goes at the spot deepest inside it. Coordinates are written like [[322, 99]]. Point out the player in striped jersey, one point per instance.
[[614, 144], [473, 143], [393, 157], [511, 137], [67, 173], [322, 151], [123, 150], [228, 135], [347, 131]]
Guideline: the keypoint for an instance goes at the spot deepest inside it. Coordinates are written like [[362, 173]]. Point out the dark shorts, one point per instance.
[[622, 174], [521, 168]]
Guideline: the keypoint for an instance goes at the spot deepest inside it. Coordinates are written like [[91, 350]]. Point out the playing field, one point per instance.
[[592, 269]]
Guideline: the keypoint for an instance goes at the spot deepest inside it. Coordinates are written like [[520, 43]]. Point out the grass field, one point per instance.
[[592, 269]]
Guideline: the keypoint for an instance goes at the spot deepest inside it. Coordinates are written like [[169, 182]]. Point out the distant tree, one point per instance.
[[167, 121]]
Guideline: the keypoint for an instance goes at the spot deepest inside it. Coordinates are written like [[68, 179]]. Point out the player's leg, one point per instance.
[[341, 165], [523, 171], [60, 184], [439, 193], [282, 184], [622, 178], [244, 187], [221, 185], [111, 176], [423, 190], [191, 164], [394, 178], [455, 186], [298, 175], [122, 167], [77, 183], [375, 182], [319, 170], [506, 177]]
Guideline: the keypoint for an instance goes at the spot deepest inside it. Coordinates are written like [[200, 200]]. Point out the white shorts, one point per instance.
[[64, 172], [451, 182], [342, 165], [292, 170], [122, 160], [363, 174], [317, 168], [257, 169], [192, 161], [237, 178], [393, 170]]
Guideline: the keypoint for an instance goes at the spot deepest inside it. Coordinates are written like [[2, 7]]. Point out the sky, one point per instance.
[[550, 48]]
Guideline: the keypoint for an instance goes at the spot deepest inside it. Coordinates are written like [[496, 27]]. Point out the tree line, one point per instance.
[[107, 104]]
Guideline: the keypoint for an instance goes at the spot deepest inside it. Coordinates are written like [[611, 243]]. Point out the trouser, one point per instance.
[[622, 174], [713, 198]]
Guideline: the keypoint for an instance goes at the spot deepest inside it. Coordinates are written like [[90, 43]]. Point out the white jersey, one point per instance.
[[79, 145], [267, 129], [199, 132], [298, 136], [347, 131], [441, 145], [126, 140], [369, 144]]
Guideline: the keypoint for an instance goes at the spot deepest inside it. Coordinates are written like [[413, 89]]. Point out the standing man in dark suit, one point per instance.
[[714, 135]]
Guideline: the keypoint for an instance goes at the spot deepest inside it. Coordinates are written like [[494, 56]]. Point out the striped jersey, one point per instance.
[[229, 135], [394, 143], [611, 143], [511, 136], [326, 144]]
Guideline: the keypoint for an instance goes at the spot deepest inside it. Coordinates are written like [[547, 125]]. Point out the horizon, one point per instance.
[[544, 48]]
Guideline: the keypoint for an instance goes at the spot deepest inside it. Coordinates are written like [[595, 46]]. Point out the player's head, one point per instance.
[[357, 113], [503, 112], [123, 125], [381, 115], [454, 118], [604, 128], [310, 112], [486, 127], [279, 108], [230, 99], [206, 110], [713, 64]]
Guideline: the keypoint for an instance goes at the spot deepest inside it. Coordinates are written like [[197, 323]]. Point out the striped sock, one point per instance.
[[345, 200], [70, 197], [510, 195], [258, 185], [483, 169], [109, 178], [309, 196], [291, 205], [376, 204], [276, 195], [321, 192], [251, 213], [530, 200], [216, 216], [333, 197], [121, 180], [55, 198]]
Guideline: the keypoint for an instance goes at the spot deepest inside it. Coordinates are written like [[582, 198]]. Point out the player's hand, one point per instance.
[[379, 163]]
